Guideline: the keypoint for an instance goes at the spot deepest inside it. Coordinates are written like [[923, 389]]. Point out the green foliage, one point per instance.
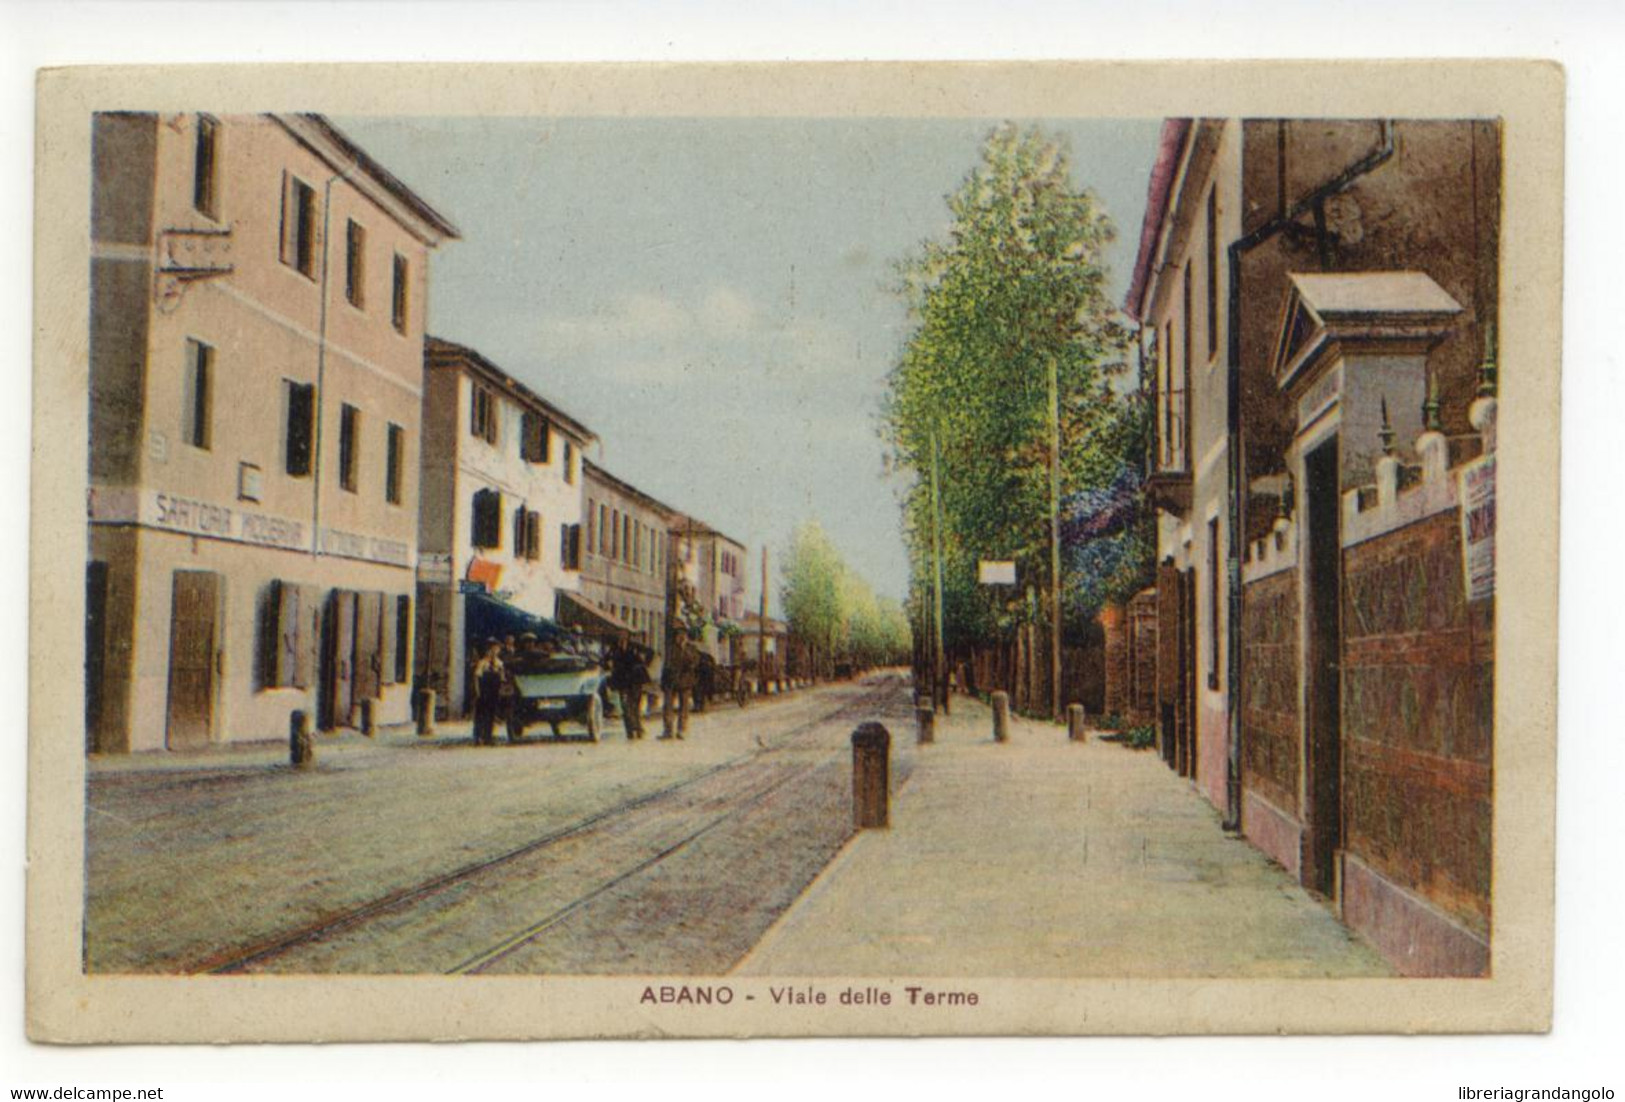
[[834, 611], [1143, 737], [1015, 288]]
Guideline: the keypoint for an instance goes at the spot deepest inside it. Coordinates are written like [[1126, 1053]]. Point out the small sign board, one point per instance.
[[996, 572], [1478, 528]]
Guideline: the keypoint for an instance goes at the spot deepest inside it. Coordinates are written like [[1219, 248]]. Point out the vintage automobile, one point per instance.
[[555, 689], [555, 675]]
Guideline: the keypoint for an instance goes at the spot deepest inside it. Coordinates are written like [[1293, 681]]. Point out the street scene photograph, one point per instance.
[[736, 549]]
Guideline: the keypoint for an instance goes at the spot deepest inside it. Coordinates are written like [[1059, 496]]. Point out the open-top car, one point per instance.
[[554, 689]]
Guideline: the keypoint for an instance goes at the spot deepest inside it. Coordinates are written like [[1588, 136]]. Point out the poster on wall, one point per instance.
[[1478, 528]]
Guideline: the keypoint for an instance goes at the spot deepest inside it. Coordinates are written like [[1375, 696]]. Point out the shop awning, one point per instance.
[[575, 611], [486, 617]]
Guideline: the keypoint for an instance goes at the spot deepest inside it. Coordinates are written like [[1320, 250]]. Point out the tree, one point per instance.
[[1017, 287], [834, 611]]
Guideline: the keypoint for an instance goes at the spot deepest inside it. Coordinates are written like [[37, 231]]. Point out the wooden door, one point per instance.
[[1186, 751], [1324, 688], [95, 650], [1168, 692], [196, 657], [338, 661], [369, 627]]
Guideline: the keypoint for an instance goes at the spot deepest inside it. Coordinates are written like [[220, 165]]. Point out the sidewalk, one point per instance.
[[1045, 858]]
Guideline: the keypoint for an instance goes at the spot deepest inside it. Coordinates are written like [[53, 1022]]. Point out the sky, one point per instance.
[[713, 297]]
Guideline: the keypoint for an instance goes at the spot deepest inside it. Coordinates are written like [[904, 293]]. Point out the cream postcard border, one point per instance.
[[64, 1005]]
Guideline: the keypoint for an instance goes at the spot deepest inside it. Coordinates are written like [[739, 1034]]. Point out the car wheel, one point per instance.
[[595, 717]]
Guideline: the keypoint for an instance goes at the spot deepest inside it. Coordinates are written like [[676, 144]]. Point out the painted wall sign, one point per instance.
[[1478, 527], [197, 517]]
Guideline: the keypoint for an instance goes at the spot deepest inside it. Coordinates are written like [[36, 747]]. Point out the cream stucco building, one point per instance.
[[258, 289], [502, 501]]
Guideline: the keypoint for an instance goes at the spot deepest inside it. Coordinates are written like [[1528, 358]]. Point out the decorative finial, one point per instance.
[[1430, 406], [1488, 371], [1386, 433]]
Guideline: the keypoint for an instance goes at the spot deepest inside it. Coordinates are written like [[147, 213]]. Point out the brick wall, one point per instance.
[[1418, 682], [1114, 620], [1271, 741]]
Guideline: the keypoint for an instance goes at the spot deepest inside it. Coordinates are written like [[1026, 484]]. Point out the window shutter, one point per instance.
[[308, 635], [388, 636], [519, 532], [287, 626]]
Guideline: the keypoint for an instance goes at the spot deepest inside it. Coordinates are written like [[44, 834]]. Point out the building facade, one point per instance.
[[711, 567], [1315, 301], [624, 560], [258, 287], [501, 513]]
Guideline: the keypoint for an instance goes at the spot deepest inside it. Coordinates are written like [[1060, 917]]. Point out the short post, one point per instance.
[[301, 747], [1001, 716], [925, 725], [871, 779], [367, 723], [1074, 722], [425, 712]]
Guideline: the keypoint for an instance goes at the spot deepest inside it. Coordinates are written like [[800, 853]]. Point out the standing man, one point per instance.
[[628, 674], [676, 679], [489, 680]]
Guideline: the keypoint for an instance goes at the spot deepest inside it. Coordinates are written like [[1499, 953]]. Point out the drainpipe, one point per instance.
[[321, 364], [1314, 204]]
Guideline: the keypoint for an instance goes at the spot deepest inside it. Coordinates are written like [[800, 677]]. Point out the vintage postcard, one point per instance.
[[793, 550]]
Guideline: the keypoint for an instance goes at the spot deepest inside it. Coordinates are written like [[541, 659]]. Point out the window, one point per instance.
[[615, 533], [403, 637], [486, 527], [527, 534], [299, 225], [355, 263], [1213, 603], [570, 545], [300, 430], [397, 301], [1212, 271], [603, 529], [199, 395], [535, 443], [1186, 326], [395, 464], [592, 527], [483, 414], [569, 463], [626, 538], [205, 171], [349, 445]]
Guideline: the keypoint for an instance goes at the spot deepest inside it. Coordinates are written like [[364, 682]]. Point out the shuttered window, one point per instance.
[[197, 406], [349, 446], [298, 249], [300, 429], [205, 168], [397, 311], [535, 444], [486, 526], [570, 545], [395, 464], [291, 626], [355, 264]]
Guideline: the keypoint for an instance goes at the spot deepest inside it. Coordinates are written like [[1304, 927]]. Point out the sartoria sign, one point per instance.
[[196, 517]]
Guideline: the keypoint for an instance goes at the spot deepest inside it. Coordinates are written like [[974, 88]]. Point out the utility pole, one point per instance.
[[939, 683], [1054, 539], [761, 632]]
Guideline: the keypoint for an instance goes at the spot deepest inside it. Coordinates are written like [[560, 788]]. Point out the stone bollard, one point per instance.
[[368, 726], [871, 776], [925, 725], [1074, 722], [426, 712], [301, 746], [1001, 717]]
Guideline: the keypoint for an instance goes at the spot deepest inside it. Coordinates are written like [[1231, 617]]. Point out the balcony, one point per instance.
[[1169, 483]]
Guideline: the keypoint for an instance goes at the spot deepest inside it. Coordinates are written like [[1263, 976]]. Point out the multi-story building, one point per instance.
[[501, 507], [713, 567], [258, 286], [1315, 298], [623, 569]]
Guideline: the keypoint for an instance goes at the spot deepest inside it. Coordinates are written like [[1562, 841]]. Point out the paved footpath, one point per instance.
[[1040, 857]]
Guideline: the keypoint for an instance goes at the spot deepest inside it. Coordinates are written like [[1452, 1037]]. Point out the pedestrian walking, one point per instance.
[[490, 677], [676, 681], [628, 674]]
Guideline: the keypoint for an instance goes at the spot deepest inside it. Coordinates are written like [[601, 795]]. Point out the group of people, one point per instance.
[[627, 662]]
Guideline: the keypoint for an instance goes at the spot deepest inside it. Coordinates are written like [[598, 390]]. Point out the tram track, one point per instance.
[[739, 783]]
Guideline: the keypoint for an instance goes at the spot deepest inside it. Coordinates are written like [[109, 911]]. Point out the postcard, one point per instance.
[[765, 550]]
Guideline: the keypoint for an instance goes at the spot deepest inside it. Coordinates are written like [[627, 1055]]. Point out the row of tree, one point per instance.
[[1013, 297], [834, 613]]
